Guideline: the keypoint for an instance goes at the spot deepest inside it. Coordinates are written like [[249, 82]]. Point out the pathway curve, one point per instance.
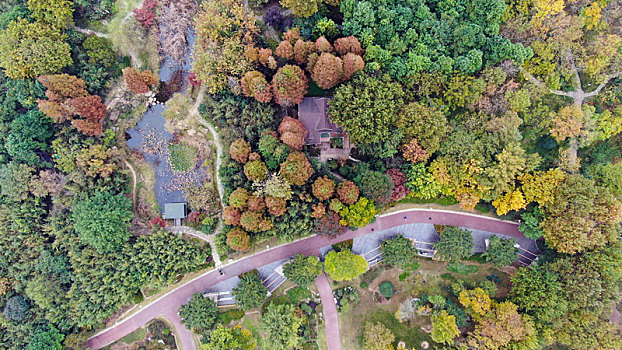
[[200, 235], [331, 320], [134, 183], [171, 301]]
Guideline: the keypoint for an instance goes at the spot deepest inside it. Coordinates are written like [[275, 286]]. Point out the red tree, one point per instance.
[[146, 14], [231, 216], [289, 85], [399, 179], [348, 192], [296, 169], [61, 87], [276, 206], [256, 203], [285, 50], [293, 132], [93, 110], [327, 71]]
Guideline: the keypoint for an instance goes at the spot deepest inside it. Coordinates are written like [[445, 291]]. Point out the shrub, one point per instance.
[[256, 170], [298, 293], [239, 150], [146, 14], [238, 239], [460, 268], [16, 308], [183, 157], [386, 289], [348, 192], [230, 316], [323, 188]]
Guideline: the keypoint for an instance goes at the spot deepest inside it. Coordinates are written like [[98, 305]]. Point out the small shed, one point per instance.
[[175, 211]]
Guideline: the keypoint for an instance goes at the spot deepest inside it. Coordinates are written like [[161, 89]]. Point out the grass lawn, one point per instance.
[[251, 322], [136, 335], [183, 157]]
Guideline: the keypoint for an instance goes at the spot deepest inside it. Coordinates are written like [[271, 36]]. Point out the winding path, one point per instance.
[[170, 302]]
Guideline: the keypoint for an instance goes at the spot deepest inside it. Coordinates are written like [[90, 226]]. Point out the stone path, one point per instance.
[[331, 318], [171, 301], [200, 235]]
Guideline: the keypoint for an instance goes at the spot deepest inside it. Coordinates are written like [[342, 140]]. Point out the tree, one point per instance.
[[323, 188], [225, 338], [15, 180], [398, 251], [351, 64], [47, 339], [254, 84], [28, 50], [137, 81], [530, 223], [375, 186], [580, 216], [256, 170], [102, 220], [504, 327], [426, 124], [358, 214], [366, 107], [477, 302], [398, 178], [239, 150], [293, 132], [56, 13], [303, 270], [16, 308], [328, 225], [538, 292], [285, 50], [348, 192], [289, 85], [238, 198], [296, 169], [250, 292], [302, 8], [455, 243], [30, 134], [414, 153], [281, 324], [444, 328], [344, 265], [200, 313], [501, 251], [347, 45], [93, 110], [327, 71], [146, 14], [377, 337], [238, 239]]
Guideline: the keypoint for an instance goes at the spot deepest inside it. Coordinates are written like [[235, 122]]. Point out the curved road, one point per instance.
[[169, 303]]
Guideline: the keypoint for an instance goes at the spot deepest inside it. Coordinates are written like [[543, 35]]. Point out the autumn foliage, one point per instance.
[[289, 85], [256, 203], [92, 110], [348, 44], [323, 45], [137, 81], [231, 216], [238, 198], [293, 132], [296, 169], [302, 49], [146, 14], [254, 84], [399, 179], [348, 192], [238, 239], [323, 188], [414, 153], [351, 64], [327, 71], [285, 50], [239, 150], [276, 206]]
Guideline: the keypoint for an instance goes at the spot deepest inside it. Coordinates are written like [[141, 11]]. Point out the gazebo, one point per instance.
[[175, 211]]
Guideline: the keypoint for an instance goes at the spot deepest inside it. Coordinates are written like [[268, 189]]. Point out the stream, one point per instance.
[[151, 138]]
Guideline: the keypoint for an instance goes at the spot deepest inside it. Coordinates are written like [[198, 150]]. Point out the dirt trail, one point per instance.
[[134, 183]]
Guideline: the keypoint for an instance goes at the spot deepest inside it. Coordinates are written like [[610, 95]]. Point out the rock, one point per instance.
[[191, 132]]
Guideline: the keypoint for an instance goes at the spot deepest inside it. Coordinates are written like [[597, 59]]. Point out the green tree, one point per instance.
[[56, 13], [303, 270], [530, 223], [538, 292], [30, 133], [16, 308], [250, 292], [358, 214], [302, 8], [455, 243], [426, 124], [374, 185], [28, 50], [199, 314], [48, 339], [102, 220], [501, 251], [377, 337], [398, 251], [225, 338], [344, 265], [15, 180], [281, 324], [366, 107], [444, 328]]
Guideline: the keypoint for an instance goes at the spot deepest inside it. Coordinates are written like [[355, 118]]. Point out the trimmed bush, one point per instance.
[[386, 289]]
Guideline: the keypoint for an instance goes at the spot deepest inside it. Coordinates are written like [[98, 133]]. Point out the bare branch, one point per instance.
[[542, 85], [602, 85]]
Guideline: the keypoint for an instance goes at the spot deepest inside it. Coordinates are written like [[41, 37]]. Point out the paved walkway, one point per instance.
[[331, 319], [171, 301]]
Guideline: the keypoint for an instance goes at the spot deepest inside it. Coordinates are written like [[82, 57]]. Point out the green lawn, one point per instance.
[[412, 336], [135, 336], [183, 157]]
